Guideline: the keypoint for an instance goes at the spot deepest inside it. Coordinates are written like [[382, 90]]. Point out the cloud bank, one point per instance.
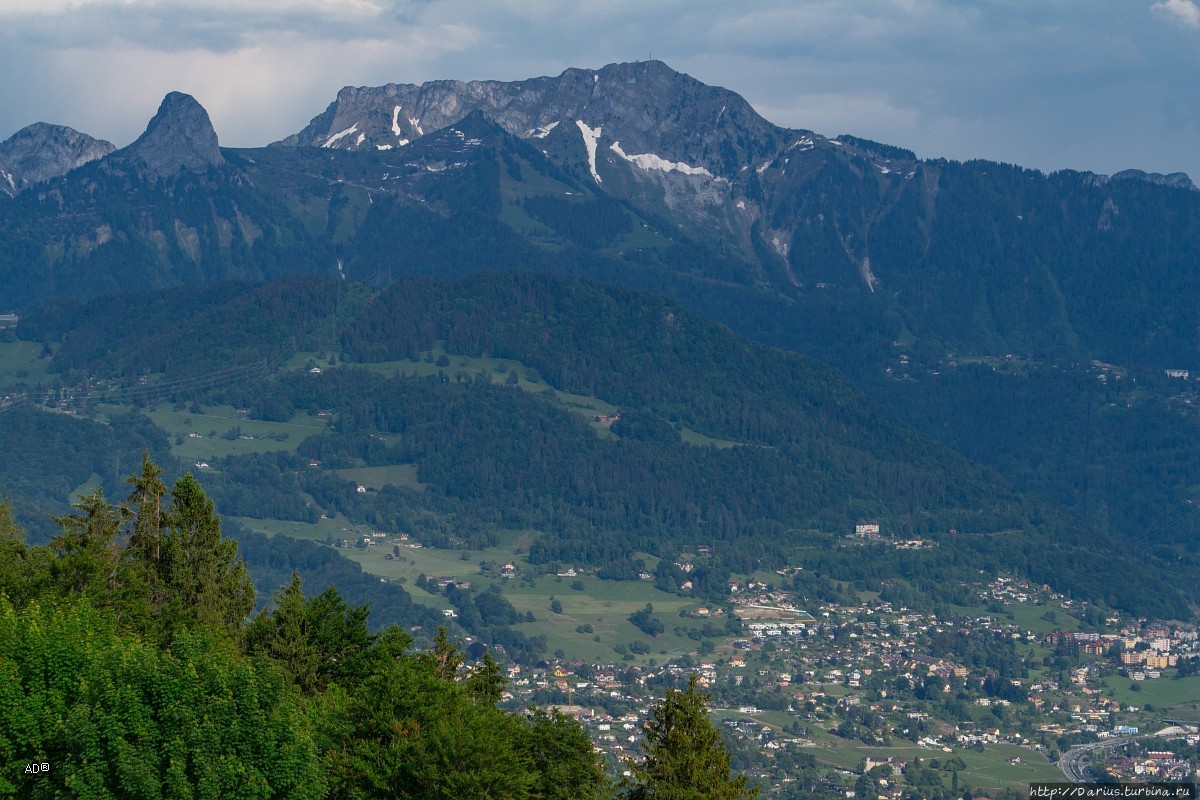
[[1104, 85]]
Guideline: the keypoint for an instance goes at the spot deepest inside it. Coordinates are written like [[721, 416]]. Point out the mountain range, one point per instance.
[[979, 256], [1025, 319]]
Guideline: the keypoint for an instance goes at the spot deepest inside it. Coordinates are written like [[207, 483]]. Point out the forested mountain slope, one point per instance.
[[801, 453]]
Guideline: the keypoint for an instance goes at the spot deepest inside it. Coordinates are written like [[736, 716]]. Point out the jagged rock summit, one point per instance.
[[43, 151], [647, 113], [180, 136]]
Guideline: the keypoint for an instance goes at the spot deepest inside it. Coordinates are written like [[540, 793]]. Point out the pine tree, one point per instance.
[[319, 640], [289, 643], [445, 656], [87, 552], [564, 765], [486, 682], [143, 590], [145, 503], [685, 757], [207, 582]]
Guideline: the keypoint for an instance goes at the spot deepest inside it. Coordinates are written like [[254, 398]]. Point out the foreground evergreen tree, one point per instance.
[[685, 757], [129, 665], [116, 716], [157, 571], [561, 756], [319, 640], [87, 552], [209, 583]]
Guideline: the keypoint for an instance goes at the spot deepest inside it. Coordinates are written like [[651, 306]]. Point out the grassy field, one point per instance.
[[1028, 617], [322, 531], [991, 768], [604, 605], [87, 487], [1163, 693], [214, 424], [20, 362], [401, 475], [691, 437]]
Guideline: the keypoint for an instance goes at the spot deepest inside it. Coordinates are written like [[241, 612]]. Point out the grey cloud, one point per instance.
[[1101, 85], [188, 26]]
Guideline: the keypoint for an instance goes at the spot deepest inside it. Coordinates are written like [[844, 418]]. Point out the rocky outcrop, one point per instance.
[[180, 136], [645, 112], [43, 151]]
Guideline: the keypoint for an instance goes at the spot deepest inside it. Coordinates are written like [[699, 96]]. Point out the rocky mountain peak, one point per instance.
[[644, 109], [43, 151], [180, 136]]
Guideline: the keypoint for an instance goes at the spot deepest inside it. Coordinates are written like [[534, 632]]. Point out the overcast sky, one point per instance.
[[1099, 85]]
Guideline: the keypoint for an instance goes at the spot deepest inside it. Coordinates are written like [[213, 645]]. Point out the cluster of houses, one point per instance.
[[1142, 652], [1155, 765], [820, 663]]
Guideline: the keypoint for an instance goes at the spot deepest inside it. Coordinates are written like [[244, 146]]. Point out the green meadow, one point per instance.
[[220, 431], [1168, 695], [585, 599], [400, 475], [21, 362]]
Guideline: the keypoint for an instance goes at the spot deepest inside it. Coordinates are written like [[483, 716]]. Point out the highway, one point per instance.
[[1073, 762]]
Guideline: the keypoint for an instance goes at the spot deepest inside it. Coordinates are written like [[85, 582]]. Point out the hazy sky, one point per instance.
[[1100, 85]]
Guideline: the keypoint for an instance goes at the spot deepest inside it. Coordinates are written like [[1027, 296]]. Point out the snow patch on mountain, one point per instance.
[[396, 122], [337, 137], [868, 276], [383, 147], [542, 131], [416, 123], [652, 161], [8, 177], [362, 137], [591, 136]]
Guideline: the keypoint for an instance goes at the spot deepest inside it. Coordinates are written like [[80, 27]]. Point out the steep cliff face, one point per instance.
[[43, 151]]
